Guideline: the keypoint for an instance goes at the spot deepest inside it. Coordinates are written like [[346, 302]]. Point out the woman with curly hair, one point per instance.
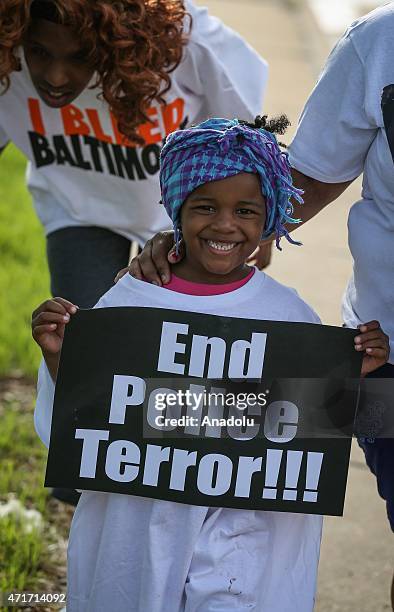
[[90, 90]]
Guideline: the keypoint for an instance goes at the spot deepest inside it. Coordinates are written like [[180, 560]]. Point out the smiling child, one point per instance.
[[225, 185]]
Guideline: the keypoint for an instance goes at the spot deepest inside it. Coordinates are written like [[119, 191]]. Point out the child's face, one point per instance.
[[222, 223]]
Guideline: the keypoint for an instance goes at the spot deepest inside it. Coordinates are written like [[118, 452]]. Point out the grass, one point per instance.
[[24, 279], [30, 558]]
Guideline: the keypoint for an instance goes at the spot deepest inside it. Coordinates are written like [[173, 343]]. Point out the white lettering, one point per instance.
[[199, 354], [182, 459], [169, 347], [281, 420], [122, 463], [121, 399], [256, 351], [91, 440], [214, 474], [155, 456]]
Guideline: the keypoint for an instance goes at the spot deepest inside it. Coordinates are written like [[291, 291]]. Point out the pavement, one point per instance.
[[357, 557]]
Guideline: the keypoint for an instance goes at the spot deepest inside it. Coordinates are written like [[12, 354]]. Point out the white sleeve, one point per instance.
[[225, 69], [44, 404], [335, 132], [305, 313]]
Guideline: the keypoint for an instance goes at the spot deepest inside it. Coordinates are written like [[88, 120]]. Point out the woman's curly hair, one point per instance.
[[133, 45]]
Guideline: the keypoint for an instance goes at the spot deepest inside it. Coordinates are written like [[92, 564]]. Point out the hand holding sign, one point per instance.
[[375, 343], [48, 324]]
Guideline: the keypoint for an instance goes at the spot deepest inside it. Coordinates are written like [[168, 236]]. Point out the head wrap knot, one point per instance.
[[230, 138], [220, 148]]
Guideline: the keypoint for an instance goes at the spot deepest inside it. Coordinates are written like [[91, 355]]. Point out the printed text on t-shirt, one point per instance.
[[86, 145]]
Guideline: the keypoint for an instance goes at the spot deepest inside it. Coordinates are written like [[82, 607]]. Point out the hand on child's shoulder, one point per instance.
[[375, 344], [48, 323]]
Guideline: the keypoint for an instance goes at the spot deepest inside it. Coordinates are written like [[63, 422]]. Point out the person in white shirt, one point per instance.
[[225, 185], [91, 90]]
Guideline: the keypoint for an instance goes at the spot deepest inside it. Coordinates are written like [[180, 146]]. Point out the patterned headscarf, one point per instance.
[[220, 148]]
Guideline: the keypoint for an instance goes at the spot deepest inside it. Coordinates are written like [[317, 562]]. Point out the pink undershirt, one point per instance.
[[184, 286]]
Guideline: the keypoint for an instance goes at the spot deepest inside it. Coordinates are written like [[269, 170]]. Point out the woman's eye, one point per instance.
[[80, 58], [40, 52]]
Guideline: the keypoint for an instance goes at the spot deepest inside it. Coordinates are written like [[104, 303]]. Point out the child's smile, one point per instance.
[[223, 247], [222, 223]]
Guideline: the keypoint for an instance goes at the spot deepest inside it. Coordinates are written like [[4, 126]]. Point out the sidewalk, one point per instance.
[[358, 550]]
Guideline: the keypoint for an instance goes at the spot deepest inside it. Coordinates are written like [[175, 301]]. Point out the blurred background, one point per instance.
[[295, 36]]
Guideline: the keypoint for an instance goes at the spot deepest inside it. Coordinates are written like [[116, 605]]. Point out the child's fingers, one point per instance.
[[378, 353], [365, 327], [69, 306], [370, 337], [58, 305], [377, 343], [39, 330], [51, 317]]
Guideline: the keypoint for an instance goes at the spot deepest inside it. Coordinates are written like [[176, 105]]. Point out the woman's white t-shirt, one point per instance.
[[133, 554], [81, 174], [346, 128]]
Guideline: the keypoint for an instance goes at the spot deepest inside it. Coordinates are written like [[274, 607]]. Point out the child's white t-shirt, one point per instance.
[[342, 134], [133, 554], [80, 174]]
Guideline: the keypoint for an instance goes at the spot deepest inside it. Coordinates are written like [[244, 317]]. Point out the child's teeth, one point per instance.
[[222, 246]]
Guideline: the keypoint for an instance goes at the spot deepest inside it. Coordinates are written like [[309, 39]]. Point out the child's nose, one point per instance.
[[224, 221]]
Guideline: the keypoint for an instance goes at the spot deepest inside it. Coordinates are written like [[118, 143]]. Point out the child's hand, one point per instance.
[[48, 324], [375, 343]]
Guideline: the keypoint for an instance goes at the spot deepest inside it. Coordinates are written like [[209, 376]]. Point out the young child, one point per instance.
[[225, 184]]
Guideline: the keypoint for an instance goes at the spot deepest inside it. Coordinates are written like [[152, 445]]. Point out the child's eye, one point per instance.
[[246, 212], [205, 209]]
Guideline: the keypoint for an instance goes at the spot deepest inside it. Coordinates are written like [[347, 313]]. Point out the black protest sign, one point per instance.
[[205, 410]]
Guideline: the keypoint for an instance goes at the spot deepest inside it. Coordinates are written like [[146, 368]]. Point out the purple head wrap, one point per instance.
[[220, 148]]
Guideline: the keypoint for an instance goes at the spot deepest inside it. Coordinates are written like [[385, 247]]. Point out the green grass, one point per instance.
[[29, 560], [23, 270]]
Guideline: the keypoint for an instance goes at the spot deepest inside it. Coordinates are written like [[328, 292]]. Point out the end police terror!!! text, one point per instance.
[[213, 473]]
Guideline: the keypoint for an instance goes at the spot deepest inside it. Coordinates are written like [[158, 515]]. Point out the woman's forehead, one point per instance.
[[59, 39]]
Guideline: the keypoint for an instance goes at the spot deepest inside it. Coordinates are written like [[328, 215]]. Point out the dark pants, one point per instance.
[[379, 454], [83, 262]]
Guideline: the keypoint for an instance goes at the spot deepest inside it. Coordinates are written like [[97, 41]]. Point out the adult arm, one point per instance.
[[317, 195]]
